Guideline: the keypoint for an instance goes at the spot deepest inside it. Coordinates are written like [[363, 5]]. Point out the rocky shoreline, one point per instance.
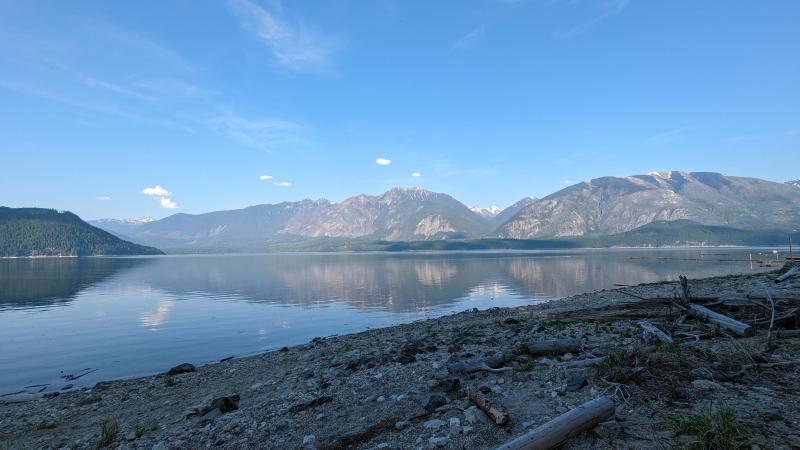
[[406, 386]]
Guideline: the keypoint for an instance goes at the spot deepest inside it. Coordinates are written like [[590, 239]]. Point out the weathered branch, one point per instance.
[[563, 427], [495, 412], [652, 331], [703, 313], [552, 346]]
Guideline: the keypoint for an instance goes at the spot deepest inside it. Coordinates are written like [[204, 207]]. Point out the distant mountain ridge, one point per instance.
[[611, 205], [600, 207], [47, 232]]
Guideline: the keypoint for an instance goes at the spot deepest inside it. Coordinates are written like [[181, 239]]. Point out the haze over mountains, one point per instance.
[[600, 207]]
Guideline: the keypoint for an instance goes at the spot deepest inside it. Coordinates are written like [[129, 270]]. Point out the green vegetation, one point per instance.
[[108, 432], [714, 430], [47, 232], [169, 382]]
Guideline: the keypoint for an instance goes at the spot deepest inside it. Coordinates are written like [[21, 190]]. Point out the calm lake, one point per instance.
[[124, 317]]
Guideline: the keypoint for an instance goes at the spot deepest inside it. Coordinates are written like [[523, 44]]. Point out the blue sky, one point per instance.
[[487, 100]]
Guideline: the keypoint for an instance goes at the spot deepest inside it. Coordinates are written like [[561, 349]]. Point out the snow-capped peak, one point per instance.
[[487, 211]]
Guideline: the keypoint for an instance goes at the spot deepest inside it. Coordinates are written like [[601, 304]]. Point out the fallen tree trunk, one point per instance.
[[788, 274], [588, 362], [552, 346], [495, 412], [563, 427], [652, 331], [703, 313], [488, 364]]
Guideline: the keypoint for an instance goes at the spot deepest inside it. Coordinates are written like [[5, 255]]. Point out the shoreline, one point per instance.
[[393, 386]]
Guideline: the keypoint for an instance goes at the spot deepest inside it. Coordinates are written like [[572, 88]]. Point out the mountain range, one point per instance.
[[600, 207]]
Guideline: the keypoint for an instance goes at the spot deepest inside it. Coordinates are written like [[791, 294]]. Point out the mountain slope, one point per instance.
[[512, 210], [398, 214], [47, 232], [611, 205], [795, 183]]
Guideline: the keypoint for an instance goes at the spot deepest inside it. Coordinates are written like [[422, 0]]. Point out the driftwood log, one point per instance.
[[788, 274], [588, 362], [652, 331], [703, 313], [552, 346], [495, 412], [557, 431], [488, 364]]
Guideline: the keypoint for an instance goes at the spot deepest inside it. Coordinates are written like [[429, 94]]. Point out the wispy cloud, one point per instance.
[[383, 161], [667, 137], [104, 198], [113, 87], [469, 39], [602, 11], [167, 203], [156, 191], [295, 47], [265, 177], [262, 134], [416, 174], [283, 183]]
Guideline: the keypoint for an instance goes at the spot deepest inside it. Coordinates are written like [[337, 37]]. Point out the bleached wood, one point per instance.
[[703, 313], [557, 431]]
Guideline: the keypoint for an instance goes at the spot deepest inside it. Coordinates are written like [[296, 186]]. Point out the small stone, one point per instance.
[[381, 399], [436, 366], [706, 385], [181, 368], [466, 430], [567, 356], [434, 424], [501, 380], [575, 383], [401, 397], [438, 441], [257, 386], [130, 436], [474, 416], [401, 425], [433, 402], [309, 439]]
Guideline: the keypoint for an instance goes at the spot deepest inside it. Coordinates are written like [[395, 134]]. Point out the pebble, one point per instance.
[[434, 424], [309, 439], [381, 399], [501, 380], [438, 441], [433, 402], [706, 385], [401, 425], [474, 416]]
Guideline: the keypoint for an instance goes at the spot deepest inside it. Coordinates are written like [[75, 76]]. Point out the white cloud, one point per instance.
[[568, 182], [104, 198], [416, 174], [283, 183], [294, 47], [157, 191], [262, 134], [383, 161], [469, 39], [265, 177], [167, 203]]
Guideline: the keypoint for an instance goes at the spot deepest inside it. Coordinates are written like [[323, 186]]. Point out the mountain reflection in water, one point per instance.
[[134, 316]]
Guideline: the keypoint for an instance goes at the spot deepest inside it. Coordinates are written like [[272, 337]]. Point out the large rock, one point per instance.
[[181, 368]]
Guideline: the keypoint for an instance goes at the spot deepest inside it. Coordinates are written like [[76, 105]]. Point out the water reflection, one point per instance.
[[394, 283], [68, 314], [30, 283]]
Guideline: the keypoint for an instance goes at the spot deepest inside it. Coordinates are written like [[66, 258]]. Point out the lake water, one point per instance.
[[125, 317]]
